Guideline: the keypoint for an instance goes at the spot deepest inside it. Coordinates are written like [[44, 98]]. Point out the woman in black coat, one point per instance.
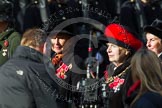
[[67, 67], [121, 46]]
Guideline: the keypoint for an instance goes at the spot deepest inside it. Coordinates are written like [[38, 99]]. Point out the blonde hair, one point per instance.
[[146, 67], [33, 37]]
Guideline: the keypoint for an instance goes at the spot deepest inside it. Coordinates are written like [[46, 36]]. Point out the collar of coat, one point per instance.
[[119, 69], [6, 34], [29, 53]]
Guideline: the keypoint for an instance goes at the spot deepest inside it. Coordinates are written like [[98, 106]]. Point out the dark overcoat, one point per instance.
[[26, 81]]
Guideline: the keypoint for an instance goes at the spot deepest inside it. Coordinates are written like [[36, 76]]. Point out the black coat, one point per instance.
[[133, 17], [149, 100], [160, 57], [115, 92], [25, 81], [67, 86]]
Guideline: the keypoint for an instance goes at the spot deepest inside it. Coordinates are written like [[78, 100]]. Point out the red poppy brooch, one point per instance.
[[115, 85], [62, 70]]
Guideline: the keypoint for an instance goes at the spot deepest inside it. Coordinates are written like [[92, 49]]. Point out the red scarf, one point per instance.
[[57, 59], [133, 87]]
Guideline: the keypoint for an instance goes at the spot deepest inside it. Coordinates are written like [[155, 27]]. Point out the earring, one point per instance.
[[127, 52]]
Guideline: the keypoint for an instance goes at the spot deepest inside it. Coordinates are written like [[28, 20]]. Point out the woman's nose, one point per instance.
[[56, 41], [148, 44], [109, 49]]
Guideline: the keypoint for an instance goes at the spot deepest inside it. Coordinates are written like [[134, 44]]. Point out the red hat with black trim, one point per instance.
[[119, 35]]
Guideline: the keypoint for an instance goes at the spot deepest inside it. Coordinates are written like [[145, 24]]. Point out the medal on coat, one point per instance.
[[61, 71], [5, 44], [4, 52]]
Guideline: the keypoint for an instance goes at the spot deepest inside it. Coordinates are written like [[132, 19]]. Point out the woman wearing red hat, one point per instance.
[[122, 44]]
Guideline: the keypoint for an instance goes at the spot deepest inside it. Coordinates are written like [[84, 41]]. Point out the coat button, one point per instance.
[[6, 43]]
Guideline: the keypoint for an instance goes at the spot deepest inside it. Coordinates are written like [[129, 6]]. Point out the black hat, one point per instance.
[[155, 28], [6, 10], [61, 32]]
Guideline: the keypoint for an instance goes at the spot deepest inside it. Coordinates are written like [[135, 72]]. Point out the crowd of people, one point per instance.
[[48, 67]]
